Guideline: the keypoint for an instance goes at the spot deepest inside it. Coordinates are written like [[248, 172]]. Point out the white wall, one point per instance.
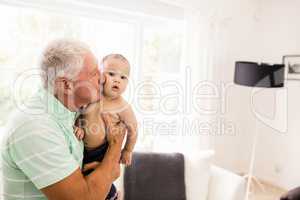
[[265, 31], [280, 26]]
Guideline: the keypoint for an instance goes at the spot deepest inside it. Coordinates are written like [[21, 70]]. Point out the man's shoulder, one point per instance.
[[22, 123], [33, 109], [25, 129], [37, 114]]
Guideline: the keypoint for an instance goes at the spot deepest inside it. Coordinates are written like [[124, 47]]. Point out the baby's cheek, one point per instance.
[[123, 88], [106, 89]]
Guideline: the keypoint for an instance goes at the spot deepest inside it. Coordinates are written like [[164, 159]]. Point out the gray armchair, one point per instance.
[[292, 195], [202, 180]]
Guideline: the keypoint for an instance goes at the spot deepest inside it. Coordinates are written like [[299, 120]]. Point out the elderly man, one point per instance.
[[41, 157]]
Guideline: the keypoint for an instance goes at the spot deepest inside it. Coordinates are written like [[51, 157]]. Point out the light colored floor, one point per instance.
[[270, 192]]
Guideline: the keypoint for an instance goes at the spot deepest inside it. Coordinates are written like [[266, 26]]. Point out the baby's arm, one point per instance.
[[84, 119], [78, 126], [128, 117]]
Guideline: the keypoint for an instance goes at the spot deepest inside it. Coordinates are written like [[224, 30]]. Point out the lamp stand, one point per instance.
[[250, 177]]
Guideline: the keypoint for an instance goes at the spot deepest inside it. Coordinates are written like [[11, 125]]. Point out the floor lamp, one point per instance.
[[262, 75]]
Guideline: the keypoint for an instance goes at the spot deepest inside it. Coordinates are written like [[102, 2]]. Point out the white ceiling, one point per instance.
[[148, 7], [144, 7]]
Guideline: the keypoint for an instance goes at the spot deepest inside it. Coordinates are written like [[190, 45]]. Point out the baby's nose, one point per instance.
[[117, 80]]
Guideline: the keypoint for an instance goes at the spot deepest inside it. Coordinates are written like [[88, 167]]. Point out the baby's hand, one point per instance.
[[126, 157], [79, 132]]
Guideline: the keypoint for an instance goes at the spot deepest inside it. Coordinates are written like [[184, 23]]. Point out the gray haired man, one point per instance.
[[41, 157]]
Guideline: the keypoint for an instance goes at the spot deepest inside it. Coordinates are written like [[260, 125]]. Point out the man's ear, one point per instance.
[[64, 85]]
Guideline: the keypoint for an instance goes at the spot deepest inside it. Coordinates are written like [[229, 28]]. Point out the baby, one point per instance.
[[89, 125]]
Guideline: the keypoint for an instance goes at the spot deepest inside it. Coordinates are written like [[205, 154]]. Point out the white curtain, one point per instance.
[[193, 126], [197, 121]]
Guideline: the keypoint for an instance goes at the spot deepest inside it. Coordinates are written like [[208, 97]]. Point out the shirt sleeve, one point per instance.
[[39, 148]]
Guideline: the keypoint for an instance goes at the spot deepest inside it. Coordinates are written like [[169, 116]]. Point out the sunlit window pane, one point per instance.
[[24, 34], [162, 47]]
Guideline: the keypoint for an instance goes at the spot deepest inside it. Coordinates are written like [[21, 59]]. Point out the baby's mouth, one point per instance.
[[115, 88]]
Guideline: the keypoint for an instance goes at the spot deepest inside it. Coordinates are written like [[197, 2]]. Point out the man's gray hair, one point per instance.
[[62, 58]]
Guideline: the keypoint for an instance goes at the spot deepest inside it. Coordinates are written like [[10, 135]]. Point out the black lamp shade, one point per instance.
[[259, 75]]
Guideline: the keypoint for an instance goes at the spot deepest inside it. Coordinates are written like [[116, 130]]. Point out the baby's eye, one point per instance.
[[111, 73], [123, 77]]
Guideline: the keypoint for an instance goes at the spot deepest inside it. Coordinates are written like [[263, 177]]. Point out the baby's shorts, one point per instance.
[[98, 155]]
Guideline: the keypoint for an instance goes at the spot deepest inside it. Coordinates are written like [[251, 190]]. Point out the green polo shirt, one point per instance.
[[39, 148]]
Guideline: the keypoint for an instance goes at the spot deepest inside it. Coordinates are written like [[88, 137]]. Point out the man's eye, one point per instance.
[[123, 77], [111, 73]]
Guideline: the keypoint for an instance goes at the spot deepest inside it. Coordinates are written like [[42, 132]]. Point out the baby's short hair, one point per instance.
[[116, 56]]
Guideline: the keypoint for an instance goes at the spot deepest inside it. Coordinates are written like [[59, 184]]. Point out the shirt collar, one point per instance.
[[54, 107]]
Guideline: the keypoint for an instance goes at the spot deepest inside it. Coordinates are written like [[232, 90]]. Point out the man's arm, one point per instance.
[[96, 185]]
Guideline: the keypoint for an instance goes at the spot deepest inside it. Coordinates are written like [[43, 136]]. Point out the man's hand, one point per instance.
[[115, 131]]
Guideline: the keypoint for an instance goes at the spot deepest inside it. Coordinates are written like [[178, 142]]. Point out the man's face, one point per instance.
[[87, 83]]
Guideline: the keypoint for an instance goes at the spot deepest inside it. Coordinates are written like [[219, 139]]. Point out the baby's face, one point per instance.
[[116, 73]]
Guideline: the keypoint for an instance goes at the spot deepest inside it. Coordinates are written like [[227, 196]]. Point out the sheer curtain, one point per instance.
[[26, 31], [196, 119], [171, 55]]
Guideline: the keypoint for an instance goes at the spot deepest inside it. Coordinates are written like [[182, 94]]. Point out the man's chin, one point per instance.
[[97, 98], [83, 102]]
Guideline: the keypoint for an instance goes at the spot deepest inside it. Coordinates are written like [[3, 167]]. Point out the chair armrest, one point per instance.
[[292, 195], [225, 185]]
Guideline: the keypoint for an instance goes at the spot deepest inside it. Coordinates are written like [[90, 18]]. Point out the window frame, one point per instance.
[[100, 12]]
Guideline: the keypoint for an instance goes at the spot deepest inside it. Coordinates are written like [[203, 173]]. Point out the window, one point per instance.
[[25, 32], [152, 45], [162, 73], [162, 47]]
